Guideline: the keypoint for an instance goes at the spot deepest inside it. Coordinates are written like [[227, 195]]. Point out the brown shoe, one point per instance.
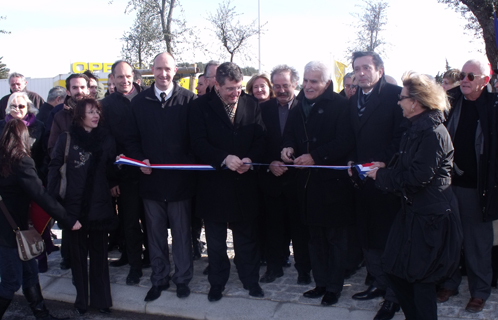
[[475, 305], [444, 295]]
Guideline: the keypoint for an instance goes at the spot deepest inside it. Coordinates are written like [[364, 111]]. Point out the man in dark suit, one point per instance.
[[318, 133], [375, 117], [159, 135], [278, 185], [227, 133]]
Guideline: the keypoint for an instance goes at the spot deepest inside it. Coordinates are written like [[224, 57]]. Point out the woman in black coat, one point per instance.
[[88, 198], [425, 239], [19, 184]]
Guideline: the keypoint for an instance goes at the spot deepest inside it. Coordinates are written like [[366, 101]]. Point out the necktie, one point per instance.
[[163, 97], [363, 104]]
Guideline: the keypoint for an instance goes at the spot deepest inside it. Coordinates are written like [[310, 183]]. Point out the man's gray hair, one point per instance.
[[16, 75], [209, 64], [31, 108], [483, 65], [294, 75], [321, 67], [56, 92], [347, 76]]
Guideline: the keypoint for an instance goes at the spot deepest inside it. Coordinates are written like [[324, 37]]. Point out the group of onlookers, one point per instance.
[[423, 148]]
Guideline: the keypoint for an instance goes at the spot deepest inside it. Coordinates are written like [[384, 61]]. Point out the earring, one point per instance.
[[413, 107]]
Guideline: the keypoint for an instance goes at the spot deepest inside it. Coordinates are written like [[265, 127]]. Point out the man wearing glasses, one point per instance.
[[226, 131], [350, 84], [210, 74], [375, 117], [472, 126]]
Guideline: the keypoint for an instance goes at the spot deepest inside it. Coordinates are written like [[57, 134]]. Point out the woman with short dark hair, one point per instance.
[[88, 198], [19, 184]]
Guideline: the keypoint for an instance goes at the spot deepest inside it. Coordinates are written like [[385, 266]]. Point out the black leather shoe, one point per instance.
[[286, 263], [215, 293], [317, 292], [330, 298], [270, 276], [79, 311], [65, 264], [182, 290], [371, 293], [206, 270], [304, 278], [105, 310], [134, 277], [255, 290], [155, 292], [120, 262], [387, 311]]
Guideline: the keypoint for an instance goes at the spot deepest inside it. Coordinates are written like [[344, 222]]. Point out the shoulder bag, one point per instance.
[[29, 242]]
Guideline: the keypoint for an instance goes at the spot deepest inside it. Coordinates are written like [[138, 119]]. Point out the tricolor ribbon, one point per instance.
[[362, 168]]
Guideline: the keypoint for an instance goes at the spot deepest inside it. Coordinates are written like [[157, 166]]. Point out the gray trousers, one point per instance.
[[477, 245], [159, 215]]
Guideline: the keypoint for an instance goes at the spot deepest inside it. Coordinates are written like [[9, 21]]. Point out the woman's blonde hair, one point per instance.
[[255, 77], [426, 91]]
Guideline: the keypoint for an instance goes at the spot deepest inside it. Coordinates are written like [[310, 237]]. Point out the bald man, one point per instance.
[[159, 135]]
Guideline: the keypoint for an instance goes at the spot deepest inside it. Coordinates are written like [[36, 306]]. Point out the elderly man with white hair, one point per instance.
[[18, 83], [318, 133], [472, 126]]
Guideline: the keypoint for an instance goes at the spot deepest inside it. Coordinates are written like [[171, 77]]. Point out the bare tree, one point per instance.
[[371, 22], [143, 40], [479, 17], [4, 31], [229, 30], [175, 33]]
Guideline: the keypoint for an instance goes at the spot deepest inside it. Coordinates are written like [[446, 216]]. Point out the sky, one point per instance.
[[48, 36]]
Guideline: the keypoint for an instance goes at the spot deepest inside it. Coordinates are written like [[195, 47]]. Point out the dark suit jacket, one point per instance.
[[269, 183], [378, 134], [224, 195]]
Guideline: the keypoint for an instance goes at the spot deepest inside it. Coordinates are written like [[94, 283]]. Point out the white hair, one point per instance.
[[321, 67], [482, 64], [31, 108]]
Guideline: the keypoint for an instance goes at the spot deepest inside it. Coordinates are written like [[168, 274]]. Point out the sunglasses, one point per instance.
[[402, 97], [471, 76], [19, 107]]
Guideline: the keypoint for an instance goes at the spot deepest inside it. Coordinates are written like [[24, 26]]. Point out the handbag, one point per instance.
[[62, 170], [29, 242]]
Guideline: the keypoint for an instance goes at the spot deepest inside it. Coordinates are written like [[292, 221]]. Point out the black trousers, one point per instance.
[[283, 219], [131, 210], [246, 251], [418, 300], [86, 243], [328, 247]]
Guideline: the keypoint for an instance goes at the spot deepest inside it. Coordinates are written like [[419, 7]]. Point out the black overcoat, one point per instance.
[[159, 132], [224, 195], [269, 183], [326, 195], [425, 240], [377, 134], [17, 191]]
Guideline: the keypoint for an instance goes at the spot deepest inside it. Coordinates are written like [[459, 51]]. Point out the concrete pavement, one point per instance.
[[283, 298]]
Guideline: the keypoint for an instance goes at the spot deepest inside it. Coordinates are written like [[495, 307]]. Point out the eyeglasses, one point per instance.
[[19, 107], [402, 97], [351, 86], [471, 76]]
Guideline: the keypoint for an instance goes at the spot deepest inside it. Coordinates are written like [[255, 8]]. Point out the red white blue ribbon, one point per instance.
[[362, 168]]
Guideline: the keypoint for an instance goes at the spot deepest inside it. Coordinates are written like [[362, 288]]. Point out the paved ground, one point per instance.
[[283, 298]]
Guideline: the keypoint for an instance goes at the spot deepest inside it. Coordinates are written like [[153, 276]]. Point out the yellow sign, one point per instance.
[[80, 67]]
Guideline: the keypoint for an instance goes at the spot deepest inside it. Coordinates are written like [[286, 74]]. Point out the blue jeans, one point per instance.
[[14, 272]]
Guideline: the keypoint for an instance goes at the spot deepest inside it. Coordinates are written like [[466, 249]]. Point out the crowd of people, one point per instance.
[[417, 215]]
